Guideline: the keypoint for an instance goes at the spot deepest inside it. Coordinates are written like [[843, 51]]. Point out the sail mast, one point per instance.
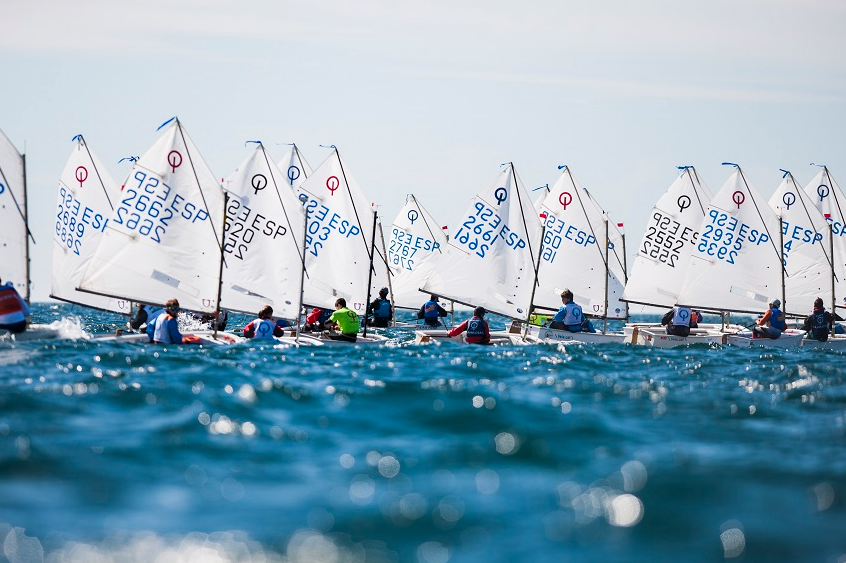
[[370, 270], [26, 226]]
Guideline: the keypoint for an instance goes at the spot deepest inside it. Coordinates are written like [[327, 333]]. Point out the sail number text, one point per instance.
[[665, 238], [321, 224], [151, 206], [481, 229], [241, 226], [72, 219], [404, 247], [558, 231], [723, 236]]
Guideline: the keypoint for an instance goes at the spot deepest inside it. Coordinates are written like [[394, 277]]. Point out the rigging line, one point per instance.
[[590, 225], [761, 217], [15, 200], [525, 225], [279, 197], [694, 182], [197, 178], [300, 160], [830, 187], [97, 170], [426, 222], [829, 259], [355, 209]]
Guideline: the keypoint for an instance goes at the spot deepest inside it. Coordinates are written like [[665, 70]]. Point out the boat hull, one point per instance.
[[835, 342], [790, 338], [543, 334], [655, 335]]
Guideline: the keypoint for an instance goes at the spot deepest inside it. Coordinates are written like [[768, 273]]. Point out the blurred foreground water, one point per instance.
[[432, 454]]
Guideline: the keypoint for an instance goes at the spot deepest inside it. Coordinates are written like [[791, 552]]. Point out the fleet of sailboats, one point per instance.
[[284, 234]]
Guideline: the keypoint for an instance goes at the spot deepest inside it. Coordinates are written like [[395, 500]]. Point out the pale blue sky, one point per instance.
[[431, 97]]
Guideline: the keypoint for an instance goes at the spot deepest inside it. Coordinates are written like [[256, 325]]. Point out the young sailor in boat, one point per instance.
[[430, 311], [144, 315], [264, 327], [820, 323], [570, 317], [316, 320], [344, 320], [14, 311], [772, 323], [679, 320], [165, 330], [380, 310], [476, 327]]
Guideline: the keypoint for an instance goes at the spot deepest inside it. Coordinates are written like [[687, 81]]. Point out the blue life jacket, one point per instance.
[[264, 329], [384, 310], [476, 327], [820, 328], [777, 319], [151, 322], [430, 310]]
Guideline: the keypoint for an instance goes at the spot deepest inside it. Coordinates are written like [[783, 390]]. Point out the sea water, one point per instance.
[[422, 453]]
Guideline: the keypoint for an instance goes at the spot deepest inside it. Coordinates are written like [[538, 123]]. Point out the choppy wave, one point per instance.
[[128, 452]]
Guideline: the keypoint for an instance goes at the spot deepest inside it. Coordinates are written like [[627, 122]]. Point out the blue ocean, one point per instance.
[[120, 452]]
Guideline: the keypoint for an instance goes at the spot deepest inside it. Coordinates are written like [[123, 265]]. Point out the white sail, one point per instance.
[[671, 235], [339, 239], [414, 243], [14, 245], [804, 248], [163, 239], [736, 264], [575, 252], [86, 197], [262, 239], [617, 274], [492, 258], [829, 199], [294, 168]]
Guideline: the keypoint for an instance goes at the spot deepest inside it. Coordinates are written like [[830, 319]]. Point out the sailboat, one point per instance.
[[294, 168], [341, 258], [582, 252], [414, 244], [658, 271], [736, 265], [14, 224], [84, 204], [830, 201], [164, 238], [262, 239], [491, 260]]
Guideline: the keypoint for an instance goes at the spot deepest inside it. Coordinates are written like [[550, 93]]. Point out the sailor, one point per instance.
[[772, 324], [316, 320], [477, 328], [165, 330], [264, 327], [380, 310], [820, 323], [344, 320], [14, 311], [144, 315], [430, 311], [570, 317], [679, 320]]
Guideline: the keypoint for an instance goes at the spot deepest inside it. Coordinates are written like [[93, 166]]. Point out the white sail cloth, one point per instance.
[[829, 199], [491, 259], [578, 252], [262, 243], [804, 248], [736, 264], [294, 168], [163, 240], [13, 217], [671, 235], [414, 244], [340, 239], [86, 197]]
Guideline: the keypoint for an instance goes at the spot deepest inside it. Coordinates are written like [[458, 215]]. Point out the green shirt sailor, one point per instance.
[[347, 321]]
